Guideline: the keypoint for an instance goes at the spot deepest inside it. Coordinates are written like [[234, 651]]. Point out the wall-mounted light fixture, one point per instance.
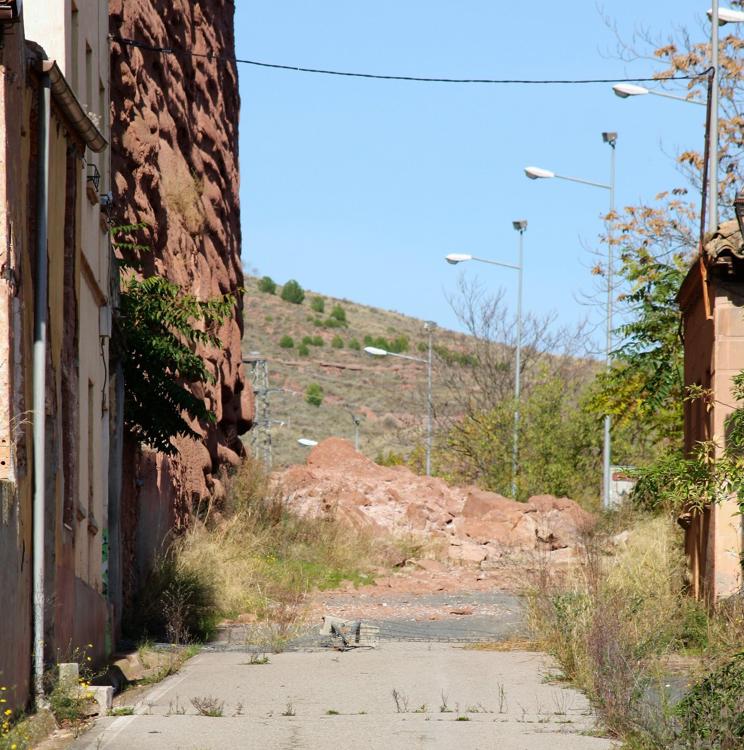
[[94, 175]]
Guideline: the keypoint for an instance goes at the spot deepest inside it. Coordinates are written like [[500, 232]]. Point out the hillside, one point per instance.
[[387, 394]]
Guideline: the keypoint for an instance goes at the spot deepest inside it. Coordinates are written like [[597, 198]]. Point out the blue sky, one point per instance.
[[359, 188]]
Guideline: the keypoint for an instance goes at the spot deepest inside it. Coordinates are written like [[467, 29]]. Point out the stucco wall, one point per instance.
[[714, 353], [76, 609], [15, 498]]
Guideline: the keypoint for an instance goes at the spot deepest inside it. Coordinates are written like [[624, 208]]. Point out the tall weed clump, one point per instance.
[[261, 556], [610, 623]]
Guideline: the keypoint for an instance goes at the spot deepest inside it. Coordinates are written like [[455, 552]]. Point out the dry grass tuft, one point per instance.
[[257, 555], [622, 618]]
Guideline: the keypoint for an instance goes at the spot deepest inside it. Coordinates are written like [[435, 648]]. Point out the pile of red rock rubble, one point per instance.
[[472, 525]]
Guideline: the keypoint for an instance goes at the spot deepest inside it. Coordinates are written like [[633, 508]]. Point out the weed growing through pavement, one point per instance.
[[401, 701], [208, 705], [175, 707], [121, 711], [560, 701], [332, 712], [238, 709], [289, 710], [503, 706], [478, 708], [443, 707]]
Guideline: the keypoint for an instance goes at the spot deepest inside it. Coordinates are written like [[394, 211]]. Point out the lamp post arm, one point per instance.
[[584, 182], [407, 356], [498, 263], [676, 98]]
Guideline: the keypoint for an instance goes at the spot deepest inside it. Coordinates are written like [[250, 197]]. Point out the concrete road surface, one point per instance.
[[445, 697]]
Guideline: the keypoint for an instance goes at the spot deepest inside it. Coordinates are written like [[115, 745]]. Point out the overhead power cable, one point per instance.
[[376, 76]]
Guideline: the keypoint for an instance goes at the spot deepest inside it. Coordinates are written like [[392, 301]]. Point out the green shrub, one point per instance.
[[267, 285], [450, 357], [399, 344], [355, 345], [317, 304], [338, 313], [318, 323], [391, 458], [333, 323], [286, 342], [317, 341], [307, 340], [303, 351], [337, 342], [711, 715], [314, 394], [158, 329], [293, 292]]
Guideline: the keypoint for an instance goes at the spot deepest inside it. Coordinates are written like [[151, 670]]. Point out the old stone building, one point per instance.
[[712, 303], [55, 312]]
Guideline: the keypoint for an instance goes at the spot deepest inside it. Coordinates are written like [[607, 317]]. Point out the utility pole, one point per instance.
[[429, 327], [611, 139], [521, 227], [261, 432], [713, 135]]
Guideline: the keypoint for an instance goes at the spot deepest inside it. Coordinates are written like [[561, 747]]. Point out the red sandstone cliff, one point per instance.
[[174, 153]]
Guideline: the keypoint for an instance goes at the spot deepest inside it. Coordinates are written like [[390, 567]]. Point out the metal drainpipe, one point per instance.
[[39, 384]]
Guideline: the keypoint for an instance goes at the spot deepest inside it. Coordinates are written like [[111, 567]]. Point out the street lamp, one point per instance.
[[307, 442], [454, 258], [718, 17], [375, 351], [535, 173], [625, 90]]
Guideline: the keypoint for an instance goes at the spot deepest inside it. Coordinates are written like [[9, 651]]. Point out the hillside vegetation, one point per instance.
[[387, 394]]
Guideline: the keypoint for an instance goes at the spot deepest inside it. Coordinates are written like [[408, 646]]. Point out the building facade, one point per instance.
[[712, 304], [55, 326]]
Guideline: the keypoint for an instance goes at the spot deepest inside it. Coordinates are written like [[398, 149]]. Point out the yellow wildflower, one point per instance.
[[8, 712]]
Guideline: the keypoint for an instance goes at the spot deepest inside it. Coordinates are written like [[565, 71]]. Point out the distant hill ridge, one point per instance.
[[319, 342]]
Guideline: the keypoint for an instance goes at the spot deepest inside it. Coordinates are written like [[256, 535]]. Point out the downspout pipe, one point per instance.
[[39, 383]]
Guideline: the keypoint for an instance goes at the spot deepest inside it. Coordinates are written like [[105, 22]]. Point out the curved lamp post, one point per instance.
[[626, 90], [307, 442], [454, 259], [375, 351], [536, 173]]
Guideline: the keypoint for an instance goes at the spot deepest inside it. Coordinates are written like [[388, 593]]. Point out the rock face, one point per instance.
[[174, 153], [476, 526]]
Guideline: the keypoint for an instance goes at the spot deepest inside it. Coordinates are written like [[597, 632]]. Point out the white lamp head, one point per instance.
[[455, 258], [624, 90], [375, 352], [536, 173], [307, 443], [726, 15]]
